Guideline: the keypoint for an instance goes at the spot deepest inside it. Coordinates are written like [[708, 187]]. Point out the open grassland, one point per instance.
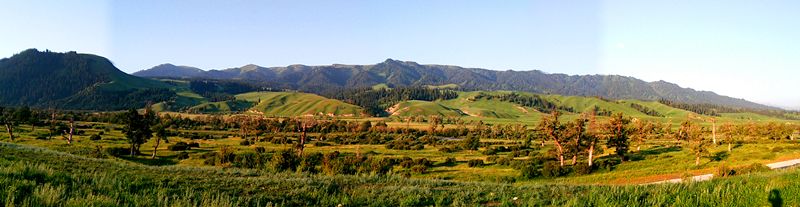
[[34, 176], [657, 159]]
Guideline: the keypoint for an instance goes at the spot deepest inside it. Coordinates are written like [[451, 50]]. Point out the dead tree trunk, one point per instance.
[[696, 160], [714, 132], [591, 154], [52, 125], [10, 131], [71, 130], [560, 153], [302, 141], [155, 148]]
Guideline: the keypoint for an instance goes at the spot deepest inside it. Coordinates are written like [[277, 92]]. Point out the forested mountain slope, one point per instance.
[[73, 81], [393, 73]]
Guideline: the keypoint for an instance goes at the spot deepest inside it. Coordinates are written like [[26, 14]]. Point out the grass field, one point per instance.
[[34, 176], [658, 159]]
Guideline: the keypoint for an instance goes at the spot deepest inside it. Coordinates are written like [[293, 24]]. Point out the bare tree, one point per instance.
[[727, 129], [592, 136], [68, 134], [161, 134], [305, 124]]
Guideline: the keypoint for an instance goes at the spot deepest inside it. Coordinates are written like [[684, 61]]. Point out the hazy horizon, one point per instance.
[[741, 49]]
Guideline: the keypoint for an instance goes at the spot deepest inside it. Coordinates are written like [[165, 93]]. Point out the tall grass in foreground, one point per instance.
[[37, 177]]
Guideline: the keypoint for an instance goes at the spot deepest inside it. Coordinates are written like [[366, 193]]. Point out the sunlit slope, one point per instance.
[[297, 104], [423, 108], [466, 105]]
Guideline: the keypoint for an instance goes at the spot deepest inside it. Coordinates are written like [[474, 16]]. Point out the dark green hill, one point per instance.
[[73, 81]]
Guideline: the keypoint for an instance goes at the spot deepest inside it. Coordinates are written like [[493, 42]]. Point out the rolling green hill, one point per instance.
[[497, 111], [297, 104]]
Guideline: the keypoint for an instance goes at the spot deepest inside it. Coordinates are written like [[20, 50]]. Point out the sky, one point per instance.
[[743, 49]]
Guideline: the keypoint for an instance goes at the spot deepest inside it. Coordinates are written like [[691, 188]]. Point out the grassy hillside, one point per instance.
[[297, 104], [423, 108], [496, 111]]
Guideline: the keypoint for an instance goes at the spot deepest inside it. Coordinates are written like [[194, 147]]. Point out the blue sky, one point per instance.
[[744, 49]]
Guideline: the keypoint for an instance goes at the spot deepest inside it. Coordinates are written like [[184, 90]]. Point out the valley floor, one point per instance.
[[35, 176]]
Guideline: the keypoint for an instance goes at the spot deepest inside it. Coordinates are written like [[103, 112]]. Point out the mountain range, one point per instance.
[[395, 73]]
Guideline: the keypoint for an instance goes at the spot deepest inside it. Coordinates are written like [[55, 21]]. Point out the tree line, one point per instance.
[[375, 101]]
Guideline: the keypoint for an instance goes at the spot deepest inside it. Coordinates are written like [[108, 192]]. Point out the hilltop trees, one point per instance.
[[617, 133]]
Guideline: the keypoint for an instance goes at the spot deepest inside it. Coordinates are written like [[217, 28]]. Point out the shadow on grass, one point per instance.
[[775, 198], [719, 156], [159, 161], [657, 150]]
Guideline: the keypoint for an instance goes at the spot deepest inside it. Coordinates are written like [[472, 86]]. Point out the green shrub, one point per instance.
[[118, 151], [582, 169], [244, 143], [183, 156], [419, 169], [285, 160], [179, 146], [475, 163], [530, 170], [95, 137], [503, 161], [98, 153], [752, 168], [553, 169], [450, 160], [260, 149], [492, 158]]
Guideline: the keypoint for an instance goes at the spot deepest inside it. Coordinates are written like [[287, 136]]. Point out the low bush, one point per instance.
[[554, 169], [118, 151], [503, 161], [475, 163], [419, 169], [581, 169], [179, 146], [182, 156], [450, 161], [752, 168], [244, 143], [95, 137], [260, 149], [530, 170], [97, 153]]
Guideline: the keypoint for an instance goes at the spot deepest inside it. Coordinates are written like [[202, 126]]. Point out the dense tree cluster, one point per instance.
[[375, 101], [222, 90], [646, 110], [533, 101]]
